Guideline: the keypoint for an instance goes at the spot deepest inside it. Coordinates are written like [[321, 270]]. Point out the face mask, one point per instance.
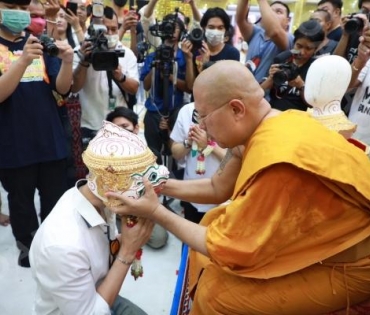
[[214, 37], [37, 26], [15, 21], [112, 40]]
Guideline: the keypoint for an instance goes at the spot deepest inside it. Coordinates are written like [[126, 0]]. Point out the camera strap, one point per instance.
[[110, 86], [111, 97]]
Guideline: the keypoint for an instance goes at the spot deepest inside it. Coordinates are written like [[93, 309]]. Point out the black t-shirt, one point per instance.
[[284, 97], [336, 34], [229, 52]]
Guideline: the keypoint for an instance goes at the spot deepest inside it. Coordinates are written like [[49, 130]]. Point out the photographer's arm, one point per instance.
[[148, 80], [148, 12], [272, 26], [79, 76], [11, 78], [197, 16], [245, 27], [64, 79], [214, 190]]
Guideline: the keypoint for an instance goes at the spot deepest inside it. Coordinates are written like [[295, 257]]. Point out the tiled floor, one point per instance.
[[153, 293]]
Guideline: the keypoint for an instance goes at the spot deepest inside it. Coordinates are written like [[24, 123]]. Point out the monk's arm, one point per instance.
[[214, 190]]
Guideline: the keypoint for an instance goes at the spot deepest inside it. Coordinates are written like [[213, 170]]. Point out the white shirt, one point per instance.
[[179, 134], [360, 108], [69, 256], [94, 95]]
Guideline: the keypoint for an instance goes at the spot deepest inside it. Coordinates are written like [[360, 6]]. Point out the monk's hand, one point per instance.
[[144, 207]]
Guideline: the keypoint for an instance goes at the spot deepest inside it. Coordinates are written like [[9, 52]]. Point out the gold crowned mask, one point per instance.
[[117, 161]]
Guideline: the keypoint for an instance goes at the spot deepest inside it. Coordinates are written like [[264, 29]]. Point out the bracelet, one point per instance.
[[125, 262], [186, 144], [84, 65], [79, 30], [50, 21], [354, 67]]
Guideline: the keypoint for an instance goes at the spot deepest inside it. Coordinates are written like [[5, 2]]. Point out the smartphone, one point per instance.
[[72, 6]]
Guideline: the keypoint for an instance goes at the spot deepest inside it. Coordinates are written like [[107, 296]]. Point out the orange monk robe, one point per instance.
[[302, 196]]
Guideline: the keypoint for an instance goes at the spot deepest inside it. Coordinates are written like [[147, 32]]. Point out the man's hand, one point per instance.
[[52, 8], [72, 19], [118, 73], [31, 50], [143, 207], [85, 50], [65, 51], [199, 136], [129, 21], [186, 47], [204, 52]]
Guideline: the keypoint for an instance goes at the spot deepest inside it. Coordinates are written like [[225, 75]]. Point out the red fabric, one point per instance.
[[74, 113]]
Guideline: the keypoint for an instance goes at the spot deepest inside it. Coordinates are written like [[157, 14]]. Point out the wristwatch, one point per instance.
[[123, 79], [186, 144]]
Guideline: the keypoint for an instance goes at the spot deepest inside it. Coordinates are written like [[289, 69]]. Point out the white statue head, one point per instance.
[[326, 83]]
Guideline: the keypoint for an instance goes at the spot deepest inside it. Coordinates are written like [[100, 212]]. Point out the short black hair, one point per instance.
[[213, 13], [124, 112], [311, 30], [284, 5], [360, 2], [326, 14], [337, 4]]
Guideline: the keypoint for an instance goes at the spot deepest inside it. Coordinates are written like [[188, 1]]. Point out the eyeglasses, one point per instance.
[[202, 119]]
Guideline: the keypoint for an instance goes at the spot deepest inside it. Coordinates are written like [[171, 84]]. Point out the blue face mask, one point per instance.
[[15, 21]]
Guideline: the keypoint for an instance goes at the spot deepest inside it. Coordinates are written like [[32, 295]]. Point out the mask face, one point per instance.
[[37, 26], [214, 37], [15, 21], [112, 40]]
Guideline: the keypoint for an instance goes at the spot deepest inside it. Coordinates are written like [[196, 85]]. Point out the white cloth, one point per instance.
[[179, 134], [69, 256], [360, 109], [94, 95]]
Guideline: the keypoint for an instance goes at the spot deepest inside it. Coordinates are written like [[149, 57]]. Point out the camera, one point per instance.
[[288, 71], [195, 36], [48, 45], [101, 58], [164, 29], [142, 50], [353, 25]]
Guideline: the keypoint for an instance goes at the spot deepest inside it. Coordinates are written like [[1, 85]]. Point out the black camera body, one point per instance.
[[101, 57], [195, 36], [164, 29], [48, 45], [354, 24], [288, 71]]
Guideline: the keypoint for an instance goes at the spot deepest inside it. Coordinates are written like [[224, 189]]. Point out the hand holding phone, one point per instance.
[[72, 6]]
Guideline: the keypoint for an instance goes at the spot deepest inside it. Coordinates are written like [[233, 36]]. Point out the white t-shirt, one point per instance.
[[179, 134], [94, 95], [69, 257], [360, 108]]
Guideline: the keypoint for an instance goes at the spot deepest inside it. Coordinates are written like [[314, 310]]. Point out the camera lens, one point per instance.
[[354, 25], [52, 50]]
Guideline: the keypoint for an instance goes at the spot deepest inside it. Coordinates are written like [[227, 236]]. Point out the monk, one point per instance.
[[295, 237]]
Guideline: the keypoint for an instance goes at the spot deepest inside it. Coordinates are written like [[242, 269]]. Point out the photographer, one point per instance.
[[98, 94], [32, 139], [157, 62], [287, 74]]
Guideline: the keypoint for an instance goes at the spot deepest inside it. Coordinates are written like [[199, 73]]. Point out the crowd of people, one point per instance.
[[273, 199]]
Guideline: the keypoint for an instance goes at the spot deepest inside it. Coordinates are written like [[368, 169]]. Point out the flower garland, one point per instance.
[[201, 159]]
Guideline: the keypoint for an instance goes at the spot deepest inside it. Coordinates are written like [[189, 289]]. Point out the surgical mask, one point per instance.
[[214, 37], [15, 21], [37, 26], [112, 40]]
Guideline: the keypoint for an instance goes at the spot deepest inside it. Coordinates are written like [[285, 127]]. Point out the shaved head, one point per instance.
[[229, 100], [226, 80]]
